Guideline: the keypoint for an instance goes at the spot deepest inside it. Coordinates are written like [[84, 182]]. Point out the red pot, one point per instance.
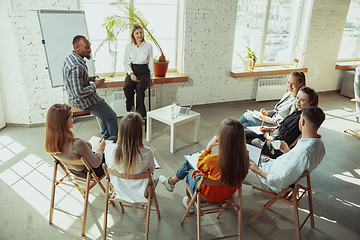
[[160, 68]]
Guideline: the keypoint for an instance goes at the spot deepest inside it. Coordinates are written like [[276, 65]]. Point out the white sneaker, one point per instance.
[[166, 182], [185, 204]]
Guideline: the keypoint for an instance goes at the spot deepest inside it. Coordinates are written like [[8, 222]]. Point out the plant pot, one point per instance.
[[252, 65], [160, 68]]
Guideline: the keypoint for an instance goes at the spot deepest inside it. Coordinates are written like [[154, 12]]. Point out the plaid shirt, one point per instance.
[[77, 82]]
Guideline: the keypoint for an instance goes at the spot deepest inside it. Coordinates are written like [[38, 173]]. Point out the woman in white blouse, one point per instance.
[[139, 66], [130, 156], [283, 108]]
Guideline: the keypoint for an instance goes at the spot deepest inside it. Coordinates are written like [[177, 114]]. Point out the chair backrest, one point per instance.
[[210, 182], [65, 161], [304, 174], [115, 173]]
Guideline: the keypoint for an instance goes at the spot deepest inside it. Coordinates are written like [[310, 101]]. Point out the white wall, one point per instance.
[[326, 26], [209, 27]]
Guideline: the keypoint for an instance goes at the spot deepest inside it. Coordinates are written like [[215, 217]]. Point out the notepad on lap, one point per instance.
[[94, 140], [256, 129], [254, 153], [193, 158], [255, 114]]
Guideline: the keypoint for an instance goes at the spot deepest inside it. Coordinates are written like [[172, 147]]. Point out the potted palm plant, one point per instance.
[[115, 24]]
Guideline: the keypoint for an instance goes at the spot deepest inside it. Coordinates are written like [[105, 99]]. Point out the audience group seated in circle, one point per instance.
[[296, 115]]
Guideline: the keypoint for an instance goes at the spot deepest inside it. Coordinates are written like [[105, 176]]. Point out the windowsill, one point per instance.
[[343, 66], [265, 71], [119, 80]]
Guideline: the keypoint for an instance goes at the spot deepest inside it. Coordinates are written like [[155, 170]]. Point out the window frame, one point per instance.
[[357, 47]]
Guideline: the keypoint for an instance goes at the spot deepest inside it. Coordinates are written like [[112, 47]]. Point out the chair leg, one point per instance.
[[86, 201], [311, 209], [106, 209], [193, 199], [198, 216], [296, 213], [148, 217], [267, 205], [156, 203], [240, 212], [52, 201]]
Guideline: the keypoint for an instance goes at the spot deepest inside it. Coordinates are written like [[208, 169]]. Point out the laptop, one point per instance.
[[183, 111]]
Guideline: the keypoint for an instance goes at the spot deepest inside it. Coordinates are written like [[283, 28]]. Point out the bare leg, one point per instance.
[[173, 180]]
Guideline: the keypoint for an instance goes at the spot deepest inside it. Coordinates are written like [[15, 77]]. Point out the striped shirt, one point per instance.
[[77, 82]]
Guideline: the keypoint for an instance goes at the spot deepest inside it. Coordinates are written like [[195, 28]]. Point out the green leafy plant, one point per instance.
[[115, 24], [251, 54]]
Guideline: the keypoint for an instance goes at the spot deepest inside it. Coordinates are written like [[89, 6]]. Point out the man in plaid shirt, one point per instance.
[[83, 95]]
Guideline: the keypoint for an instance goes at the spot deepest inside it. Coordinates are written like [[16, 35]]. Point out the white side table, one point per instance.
[[164, 115]]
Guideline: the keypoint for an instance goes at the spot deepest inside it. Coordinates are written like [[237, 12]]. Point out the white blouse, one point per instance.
[[139, 55], [128, 189]]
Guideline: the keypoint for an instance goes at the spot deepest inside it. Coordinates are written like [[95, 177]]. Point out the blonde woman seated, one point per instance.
[[229, 166], [60, 142], [130, 156], [288, 130], [282, 109]]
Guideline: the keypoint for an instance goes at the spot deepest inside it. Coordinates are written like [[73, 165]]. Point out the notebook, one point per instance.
[[254, 154]]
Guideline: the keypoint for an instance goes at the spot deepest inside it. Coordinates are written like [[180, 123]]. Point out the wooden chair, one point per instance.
[[292, 196], [83, 185], [356, 132], [206, 208], [122, 203]]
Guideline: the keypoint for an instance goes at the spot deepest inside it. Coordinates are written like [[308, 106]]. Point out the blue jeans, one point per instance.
[[248, 121], [181, 174], [108, 118]]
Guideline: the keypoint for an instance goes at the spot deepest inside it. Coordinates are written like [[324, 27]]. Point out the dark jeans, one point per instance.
[[261, 142], [108, 118]]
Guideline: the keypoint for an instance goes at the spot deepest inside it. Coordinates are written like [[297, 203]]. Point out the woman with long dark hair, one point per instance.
[[229, 166]]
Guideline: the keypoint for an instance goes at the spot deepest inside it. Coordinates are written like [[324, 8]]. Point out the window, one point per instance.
[[268, 27], [155, 12], [350, 43]]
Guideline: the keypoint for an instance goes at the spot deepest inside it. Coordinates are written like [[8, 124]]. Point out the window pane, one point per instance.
[[280, 35], [351, 35], [248, 33], [164, 31], [281, 32]]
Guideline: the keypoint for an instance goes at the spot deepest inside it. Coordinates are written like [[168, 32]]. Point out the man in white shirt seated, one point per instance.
[[275, 175]]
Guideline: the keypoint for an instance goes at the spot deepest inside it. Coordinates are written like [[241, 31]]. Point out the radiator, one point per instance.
[[271, 89], [119, 99]]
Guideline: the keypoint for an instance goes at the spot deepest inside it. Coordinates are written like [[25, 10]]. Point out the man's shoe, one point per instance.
[[185, 204], [166, 182]]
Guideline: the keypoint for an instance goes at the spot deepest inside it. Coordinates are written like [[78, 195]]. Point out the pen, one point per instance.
[[262, 124], [103, 135], [197, 174]]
